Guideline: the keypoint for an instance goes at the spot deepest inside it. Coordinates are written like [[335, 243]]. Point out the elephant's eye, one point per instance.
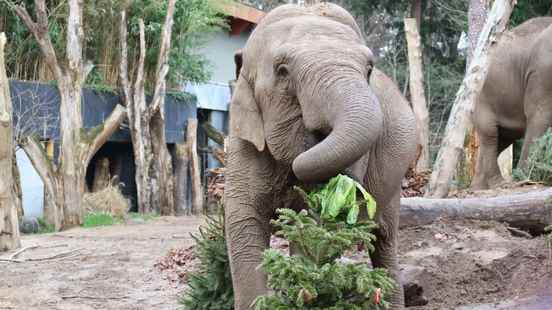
[[282, 70]]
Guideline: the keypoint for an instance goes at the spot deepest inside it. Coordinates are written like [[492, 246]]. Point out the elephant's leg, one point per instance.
[[252, 179], [536, 127], [247, 236], [487, 172], [386, 247], [538, 108]]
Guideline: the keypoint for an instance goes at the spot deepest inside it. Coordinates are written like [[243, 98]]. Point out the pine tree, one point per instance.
[[211, 286], [315, 278]]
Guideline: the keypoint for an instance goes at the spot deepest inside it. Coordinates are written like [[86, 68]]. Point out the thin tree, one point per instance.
[[154, 172], [9, 224], [458, 123], [64, 182], [477, 15], [417, 93]]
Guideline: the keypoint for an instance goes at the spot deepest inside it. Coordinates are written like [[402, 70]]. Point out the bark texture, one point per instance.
[[65, 182], [183, 203], [529, 211], [102, 176], [197, 192], [9, 224], [417, 93], [477, 15], [154, 170], [459, 121]]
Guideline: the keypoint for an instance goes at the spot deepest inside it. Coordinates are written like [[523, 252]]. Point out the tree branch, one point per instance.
[[110, 125], [163, 60], [75, 37], [42, 164], [139, 82], [39, 30], [123, 62]]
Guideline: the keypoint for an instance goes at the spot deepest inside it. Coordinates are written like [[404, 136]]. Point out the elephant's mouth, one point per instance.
[[312, 138]]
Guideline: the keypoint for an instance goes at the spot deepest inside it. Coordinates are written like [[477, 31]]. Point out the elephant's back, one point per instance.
[[532, 27], [400, 127]]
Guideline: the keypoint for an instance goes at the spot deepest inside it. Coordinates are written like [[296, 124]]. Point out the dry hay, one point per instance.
[[109, 200]]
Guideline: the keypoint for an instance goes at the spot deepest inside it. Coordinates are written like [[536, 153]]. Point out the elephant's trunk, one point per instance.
[[357, 122]]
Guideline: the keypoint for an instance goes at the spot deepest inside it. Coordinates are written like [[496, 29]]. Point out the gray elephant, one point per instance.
[[308, 105], [516, 100]]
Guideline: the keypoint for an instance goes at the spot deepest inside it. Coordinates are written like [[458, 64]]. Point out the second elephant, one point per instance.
[[516, 100]]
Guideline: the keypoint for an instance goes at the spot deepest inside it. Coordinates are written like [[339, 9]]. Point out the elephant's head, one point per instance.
[[303, 76]]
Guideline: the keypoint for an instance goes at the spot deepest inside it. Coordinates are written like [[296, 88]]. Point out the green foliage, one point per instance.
[[211, 285], [315, 279], [525, 10], [45, 228], [539, 161], [146, 217], [95, 219], [193, 21]]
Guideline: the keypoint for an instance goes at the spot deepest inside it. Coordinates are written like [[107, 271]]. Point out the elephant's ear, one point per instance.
[[245, 117]]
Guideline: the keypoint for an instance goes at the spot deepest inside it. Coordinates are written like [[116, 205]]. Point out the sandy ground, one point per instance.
[[466, 265], [474, 265], [114, 268]]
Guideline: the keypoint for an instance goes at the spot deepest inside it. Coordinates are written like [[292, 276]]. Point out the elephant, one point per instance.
[[308, 104], [516, 99]]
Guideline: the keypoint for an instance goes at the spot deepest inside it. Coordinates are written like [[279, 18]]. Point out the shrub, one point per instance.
[[95, 219], [539, 161], [316, 279], [211, 285]]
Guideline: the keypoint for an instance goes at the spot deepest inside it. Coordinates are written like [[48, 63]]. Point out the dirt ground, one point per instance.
[[461, 265], [112, 269], [477, 265]]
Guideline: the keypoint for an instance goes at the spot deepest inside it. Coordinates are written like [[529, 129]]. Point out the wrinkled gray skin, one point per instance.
[[516, 100], [302, 112]]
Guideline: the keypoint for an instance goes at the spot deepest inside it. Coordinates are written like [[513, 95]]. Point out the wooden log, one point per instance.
[[9, 224], [102, 176], [527, 211], [213, 133], [197, 193], [181, 171]]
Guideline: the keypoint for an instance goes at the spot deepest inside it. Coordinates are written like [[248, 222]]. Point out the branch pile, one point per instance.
[[177, 264]]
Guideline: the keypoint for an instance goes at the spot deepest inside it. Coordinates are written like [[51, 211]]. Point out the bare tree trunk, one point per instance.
[[416, 12], [455, 132], [65, 183], [9, 223], [154, 172], [417, 93], [477, 15], [183, 204], [529, 211], [197, 192], [17, 188]]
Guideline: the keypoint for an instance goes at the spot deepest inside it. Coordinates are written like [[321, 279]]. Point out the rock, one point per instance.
[[414, 295], [29, 225], [136, 221], [410, 277]]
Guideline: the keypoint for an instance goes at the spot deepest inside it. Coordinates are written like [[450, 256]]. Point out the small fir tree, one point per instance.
[[316, 279], [211, 286]]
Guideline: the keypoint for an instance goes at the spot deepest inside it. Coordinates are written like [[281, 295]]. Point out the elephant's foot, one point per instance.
[[483, 183]]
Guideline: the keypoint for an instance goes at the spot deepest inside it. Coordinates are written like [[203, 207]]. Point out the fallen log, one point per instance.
[[531, 212]]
